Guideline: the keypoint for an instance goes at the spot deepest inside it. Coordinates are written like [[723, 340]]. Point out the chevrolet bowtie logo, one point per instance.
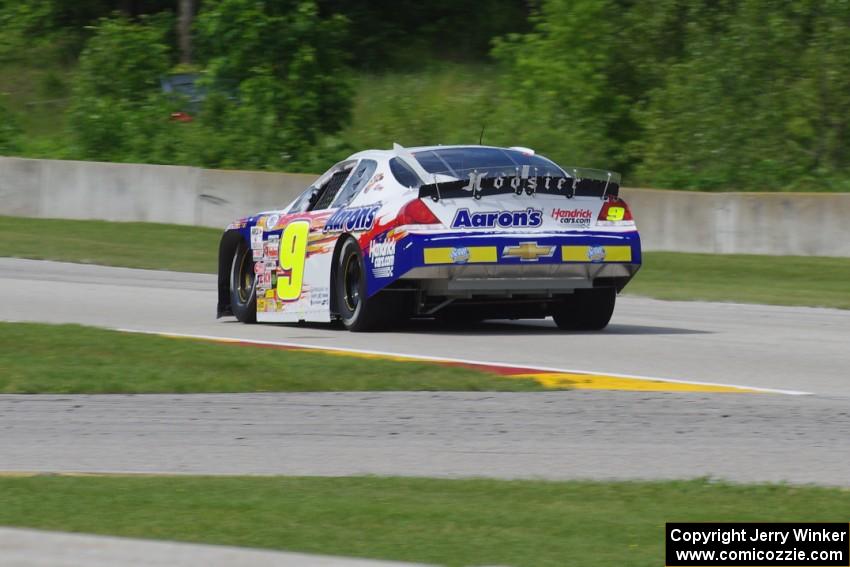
[[528, 251]]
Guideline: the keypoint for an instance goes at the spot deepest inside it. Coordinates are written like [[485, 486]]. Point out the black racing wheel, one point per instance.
[[243, 285], [358, 312], [586, 309]]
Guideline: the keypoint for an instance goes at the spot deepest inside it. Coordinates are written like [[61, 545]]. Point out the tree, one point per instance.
[[118, 76], [729, 94], [274, 82], [559, 91], [411, 34], [278, 72], [761, 102], [186, 13]]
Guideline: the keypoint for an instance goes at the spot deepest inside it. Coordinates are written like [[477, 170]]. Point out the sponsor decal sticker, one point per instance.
[[577, 217], [293, 255], [271, 248], [529, 217], [522, 181], [528, 251], [257, 254], [382, 256], [271, 222], [320, 296], [616, 213], [353, 219], [460, 255], [256, 237], [607, 253], [596, 254], [374, 183]]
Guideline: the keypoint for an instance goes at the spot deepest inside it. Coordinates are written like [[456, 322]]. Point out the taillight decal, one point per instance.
[[416, 212], [616, 212]]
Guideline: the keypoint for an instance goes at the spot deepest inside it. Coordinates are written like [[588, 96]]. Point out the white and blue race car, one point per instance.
[[456, 232]]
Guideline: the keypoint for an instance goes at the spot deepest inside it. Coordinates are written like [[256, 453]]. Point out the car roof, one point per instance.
[[387, 154]]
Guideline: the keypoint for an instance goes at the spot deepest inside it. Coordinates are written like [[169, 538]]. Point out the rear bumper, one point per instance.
[[460, 265]]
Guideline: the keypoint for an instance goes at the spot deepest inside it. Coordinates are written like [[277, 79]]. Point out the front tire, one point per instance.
[[243, 285], [357, 311], [586, 309]]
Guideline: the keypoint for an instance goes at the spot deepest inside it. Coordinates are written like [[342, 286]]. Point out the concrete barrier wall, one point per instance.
[[137, 192], [800, 224], [741, 223]]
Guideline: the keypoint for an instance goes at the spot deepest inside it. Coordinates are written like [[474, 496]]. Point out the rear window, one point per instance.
[[458, 162], [403, 174]]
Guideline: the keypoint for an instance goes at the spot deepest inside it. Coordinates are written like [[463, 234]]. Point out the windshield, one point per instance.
[[459, 162]]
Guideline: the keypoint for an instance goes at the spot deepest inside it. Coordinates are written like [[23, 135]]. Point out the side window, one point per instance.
[[328, 190], [404, 175], [361, 176], [302, 203]]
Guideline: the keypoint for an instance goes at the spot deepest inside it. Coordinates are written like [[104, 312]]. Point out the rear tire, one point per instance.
[[586, 309], [243, 285], [358, 312]]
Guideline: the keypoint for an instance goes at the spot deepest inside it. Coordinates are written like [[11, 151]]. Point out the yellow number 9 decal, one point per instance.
[[293, 253], [616, 213]]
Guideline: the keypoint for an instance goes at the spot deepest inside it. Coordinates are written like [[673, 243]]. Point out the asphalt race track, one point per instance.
[[574, 434]]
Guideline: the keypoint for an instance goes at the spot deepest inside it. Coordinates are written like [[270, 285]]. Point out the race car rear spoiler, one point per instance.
[[478, 187]]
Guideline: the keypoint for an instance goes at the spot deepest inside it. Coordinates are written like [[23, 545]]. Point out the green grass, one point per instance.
[[38, 358], [35, 85], [777, 280], [453, 522], [130, 244]]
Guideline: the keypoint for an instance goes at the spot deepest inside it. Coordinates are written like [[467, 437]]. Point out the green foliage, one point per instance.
[[559, 96], [411, 34], [61, 25], [687, 93], [19, 20], [9, 131], [124, 60], [449, 105], [287, 69], [572, 85], [763, 103], [274, 75], [117, 111]]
